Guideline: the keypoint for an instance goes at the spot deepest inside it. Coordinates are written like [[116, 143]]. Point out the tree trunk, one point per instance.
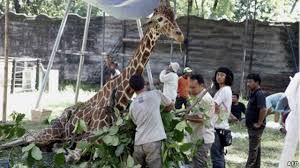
[[17, 6], [215, 5], [202, 8]]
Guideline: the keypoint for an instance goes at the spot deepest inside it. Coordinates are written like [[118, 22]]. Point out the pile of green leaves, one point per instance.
[[14, 129], [112, 147], [176, 150], [109, 146], [116, 143]]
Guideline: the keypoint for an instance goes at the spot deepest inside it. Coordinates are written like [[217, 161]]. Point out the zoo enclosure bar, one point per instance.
[[55, 47], [83, 47], [5, 62]]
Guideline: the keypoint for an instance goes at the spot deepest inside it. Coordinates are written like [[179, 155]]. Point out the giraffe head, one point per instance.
[[163, 19]]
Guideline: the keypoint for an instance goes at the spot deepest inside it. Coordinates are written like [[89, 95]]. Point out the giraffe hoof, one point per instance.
[[73, 156]]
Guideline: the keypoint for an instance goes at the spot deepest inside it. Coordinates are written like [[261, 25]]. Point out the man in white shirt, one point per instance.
[[169, 78], [145, 113], [115, 71], [202, 119]]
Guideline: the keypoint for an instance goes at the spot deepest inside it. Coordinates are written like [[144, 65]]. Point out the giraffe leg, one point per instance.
[[56, 130], [73, 156], [53, 133]]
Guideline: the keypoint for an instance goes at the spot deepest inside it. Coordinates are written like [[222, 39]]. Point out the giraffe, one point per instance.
[[96, 111]]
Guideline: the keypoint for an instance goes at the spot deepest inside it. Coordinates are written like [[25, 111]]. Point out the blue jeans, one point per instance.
[[217, 153]]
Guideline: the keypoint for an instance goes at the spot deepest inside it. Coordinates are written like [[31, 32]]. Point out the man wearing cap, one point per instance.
[[183, 88], [169, 78]]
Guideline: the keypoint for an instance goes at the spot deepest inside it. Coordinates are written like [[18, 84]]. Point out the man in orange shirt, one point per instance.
[[183, 88]]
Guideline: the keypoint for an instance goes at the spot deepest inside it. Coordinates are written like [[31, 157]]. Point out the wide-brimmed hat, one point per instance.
[[175, 66]]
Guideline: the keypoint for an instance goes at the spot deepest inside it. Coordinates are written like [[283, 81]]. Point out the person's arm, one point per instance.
[[197, 117], [269, 111], [219, 99], [194, 118], [217, 102], [261, 104], [167, 102], [130, 114], [179, 86], [164, 76], [233, 117], [243, 108], [169, 107], [262, 116], [217, 108]]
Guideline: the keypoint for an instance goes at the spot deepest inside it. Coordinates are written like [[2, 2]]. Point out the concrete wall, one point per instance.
[[212, 44]]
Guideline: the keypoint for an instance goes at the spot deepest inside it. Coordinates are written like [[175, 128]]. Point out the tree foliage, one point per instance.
[[48, 7], [232, 10], [235, 10]]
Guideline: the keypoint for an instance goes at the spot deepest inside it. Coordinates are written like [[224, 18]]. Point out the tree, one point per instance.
[[222, 9], [17, 6], [266, 10], [49, 7], [232, 10]]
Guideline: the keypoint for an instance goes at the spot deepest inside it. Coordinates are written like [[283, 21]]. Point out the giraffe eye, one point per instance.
[[160, 19]]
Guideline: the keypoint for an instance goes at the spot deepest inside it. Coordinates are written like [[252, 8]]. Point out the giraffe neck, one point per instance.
[[136, 65], [120, 84], [143, 52]]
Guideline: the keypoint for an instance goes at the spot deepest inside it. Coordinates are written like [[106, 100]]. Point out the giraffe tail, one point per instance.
[[14, 143]]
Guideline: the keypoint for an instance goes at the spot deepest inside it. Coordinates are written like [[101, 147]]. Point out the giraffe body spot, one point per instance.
[[148, 43], [140, 69]]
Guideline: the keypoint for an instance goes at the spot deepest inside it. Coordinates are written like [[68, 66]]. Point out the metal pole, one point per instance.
[[171, 51], [190, 4], [149, 73], [244, 51], [253, 38], [293, 7], [103, 33], [37, 75], [172, 47], [83, 47], [102, 69], [103, 51], [124, 44], [5, 62], [55, 47], [13, 76]]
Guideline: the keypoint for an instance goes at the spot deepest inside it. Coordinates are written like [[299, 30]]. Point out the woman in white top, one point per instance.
[[169, 78], [223, 99]]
